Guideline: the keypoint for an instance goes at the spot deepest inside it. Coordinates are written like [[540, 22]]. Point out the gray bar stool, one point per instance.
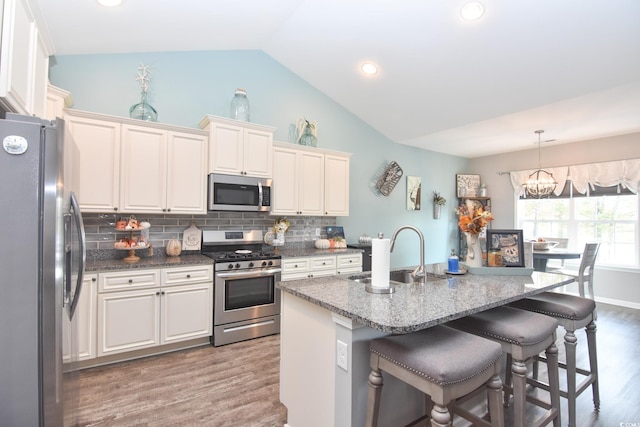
[[522, 335], [573, 313], [443, 363]]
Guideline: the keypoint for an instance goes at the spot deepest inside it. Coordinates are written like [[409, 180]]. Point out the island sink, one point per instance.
[[399, 277]]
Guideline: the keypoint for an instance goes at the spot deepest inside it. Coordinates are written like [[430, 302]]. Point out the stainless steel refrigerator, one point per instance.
[[42, 257]]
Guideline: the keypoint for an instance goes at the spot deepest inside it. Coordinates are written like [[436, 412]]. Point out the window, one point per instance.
[[611, 219]]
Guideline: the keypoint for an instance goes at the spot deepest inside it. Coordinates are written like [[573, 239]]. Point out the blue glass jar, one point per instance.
[[240, 106]]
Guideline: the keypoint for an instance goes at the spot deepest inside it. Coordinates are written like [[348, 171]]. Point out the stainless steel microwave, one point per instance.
[[239, 193]]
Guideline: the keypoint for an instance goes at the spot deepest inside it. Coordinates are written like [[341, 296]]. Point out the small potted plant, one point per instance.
[[438, 202]]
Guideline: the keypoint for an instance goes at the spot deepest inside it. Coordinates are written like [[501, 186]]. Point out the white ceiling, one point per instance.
[[570, 67]]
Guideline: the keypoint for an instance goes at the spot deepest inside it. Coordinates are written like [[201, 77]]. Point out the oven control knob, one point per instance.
[[264, 263], [230, 266], [270, 263], [250, 264], [237, 265]]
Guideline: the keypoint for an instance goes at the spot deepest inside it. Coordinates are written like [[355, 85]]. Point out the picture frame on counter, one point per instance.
[[510, 244], [467, 185]]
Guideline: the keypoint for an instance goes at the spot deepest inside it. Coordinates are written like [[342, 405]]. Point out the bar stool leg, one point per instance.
[[570, 341], [440, 416], [375, 391], [494, 390], [554, 380], [593, 362], [519, 372], [508, 381]]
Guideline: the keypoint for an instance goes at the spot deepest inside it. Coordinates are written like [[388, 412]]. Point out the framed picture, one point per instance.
[[414, 188], [467, 185], [510, 244]]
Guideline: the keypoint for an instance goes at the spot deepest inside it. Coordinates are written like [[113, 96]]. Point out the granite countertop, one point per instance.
[[95, 265], [109, 262], [413, 307]]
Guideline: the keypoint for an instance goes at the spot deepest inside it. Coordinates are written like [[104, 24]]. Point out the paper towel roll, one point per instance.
[[380, 262]]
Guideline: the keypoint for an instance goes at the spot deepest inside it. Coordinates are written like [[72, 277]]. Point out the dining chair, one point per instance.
[[563, 243], [573, 312], [584, 275]]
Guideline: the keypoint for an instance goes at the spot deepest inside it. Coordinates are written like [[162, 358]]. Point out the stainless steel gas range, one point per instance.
[[246, 300]]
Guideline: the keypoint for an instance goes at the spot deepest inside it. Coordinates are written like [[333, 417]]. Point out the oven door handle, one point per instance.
[[261, 273]]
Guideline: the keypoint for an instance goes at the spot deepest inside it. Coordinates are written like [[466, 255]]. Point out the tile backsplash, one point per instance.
[[101, 233]]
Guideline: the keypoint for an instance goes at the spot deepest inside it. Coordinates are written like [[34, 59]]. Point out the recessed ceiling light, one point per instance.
[[472, 10], [110, 3], [369, 69]]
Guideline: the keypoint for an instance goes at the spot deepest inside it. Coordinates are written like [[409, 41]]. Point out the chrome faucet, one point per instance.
[[419, 272]]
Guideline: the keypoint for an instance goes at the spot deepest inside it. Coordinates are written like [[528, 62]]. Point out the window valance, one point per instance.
[[623, 173]]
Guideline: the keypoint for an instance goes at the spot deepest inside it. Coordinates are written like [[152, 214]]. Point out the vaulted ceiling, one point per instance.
[[466, 88]]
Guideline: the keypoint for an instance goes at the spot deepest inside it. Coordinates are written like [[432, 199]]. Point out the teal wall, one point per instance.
[[186, 86]]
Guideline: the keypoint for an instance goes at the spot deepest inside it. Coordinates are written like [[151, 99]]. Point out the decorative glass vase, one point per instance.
[[240, 106], [474, 250], [308, 138], [143, 110]]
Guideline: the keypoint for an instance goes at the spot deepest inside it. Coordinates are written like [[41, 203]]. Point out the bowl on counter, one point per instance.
[[544, 246]]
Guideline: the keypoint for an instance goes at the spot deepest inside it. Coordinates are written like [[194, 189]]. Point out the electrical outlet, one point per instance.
[[342, 355], [317, 232]]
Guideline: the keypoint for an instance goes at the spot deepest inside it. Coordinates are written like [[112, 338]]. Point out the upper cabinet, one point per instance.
[[57, 100], [239, 148], [24, 60], [131, 166], [309, 181]]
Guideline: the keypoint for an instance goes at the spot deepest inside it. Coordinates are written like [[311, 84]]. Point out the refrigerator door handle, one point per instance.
[[77, 216]]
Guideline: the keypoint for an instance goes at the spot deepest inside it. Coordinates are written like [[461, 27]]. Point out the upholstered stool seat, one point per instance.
[[522, 335], [444, 364], [572, 312]]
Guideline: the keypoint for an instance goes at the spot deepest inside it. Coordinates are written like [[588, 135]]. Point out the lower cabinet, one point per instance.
[[140, 309], [294, 268], [86, 322]]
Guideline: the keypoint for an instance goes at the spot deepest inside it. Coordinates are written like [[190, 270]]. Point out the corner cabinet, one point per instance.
[[24, 60], [309, 181], [239, 148], [131, 166]]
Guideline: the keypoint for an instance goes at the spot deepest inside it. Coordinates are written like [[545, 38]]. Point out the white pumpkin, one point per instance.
[[322, 244], [174, 248]]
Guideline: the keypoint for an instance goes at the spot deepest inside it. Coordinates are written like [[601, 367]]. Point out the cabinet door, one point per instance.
[[285, 179], [258, 151], [336, 185], [19, 40], [295, 268], [349, 263], [226, 149], [187, 312], [40, 78], [87, 316], [310, 183], [128, 321], [144, 170], [186, 173], [97, 163]]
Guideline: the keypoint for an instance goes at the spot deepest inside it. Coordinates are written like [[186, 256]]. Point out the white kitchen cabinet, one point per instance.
[[294, 268], [86, 321], [239, 148], [140, 309], [309, 181], [126, 165], [24, 60], [97, 162], [336, 185], [57, 100]]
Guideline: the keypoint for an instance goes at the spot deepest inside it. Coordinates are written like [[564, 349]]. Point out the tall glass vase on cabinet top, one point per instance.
[[240, 106]]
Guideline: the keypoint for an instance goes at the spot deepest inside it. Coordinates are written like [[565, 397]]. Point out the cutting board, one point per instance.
[[192, 238]]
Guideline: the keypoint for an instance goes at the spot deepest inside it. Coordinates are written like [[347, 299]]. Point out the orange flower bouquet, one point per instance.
[[472, 218]]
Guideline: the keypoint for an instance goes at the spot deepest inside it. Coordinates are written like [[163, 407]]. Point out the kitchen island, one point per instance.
[[327, 324]]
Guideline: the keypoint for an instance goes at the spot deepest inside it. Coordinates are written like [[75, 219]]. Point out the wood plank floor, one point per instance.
[[237, 385]]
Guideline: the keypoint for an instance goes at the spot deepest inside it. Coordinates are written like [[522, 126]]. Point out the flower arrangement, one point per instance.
[[472, 218], [281, 225], [438, 199]]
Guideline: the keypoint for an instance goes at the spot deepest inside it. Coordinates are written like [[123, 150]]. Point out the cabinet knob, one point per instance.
[[157, 293], [130, 280], [162, 293], [188, 276], [93, 279], [115, 208], [164, 210], [168, 209]]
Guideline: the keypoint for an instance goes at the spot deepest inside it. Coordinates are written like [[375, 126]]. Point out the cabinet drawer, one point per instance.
[[348, 261], [183, 275], [323, 263], [294, 265], [131, 279]]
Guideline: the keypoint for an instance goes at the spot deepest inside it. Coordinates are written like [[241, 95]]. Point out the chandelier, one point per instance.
[[540, 183]]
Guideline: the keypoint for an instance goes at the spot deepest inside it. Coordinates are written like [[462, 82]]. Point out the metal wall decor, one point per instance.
[[389, 178]]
